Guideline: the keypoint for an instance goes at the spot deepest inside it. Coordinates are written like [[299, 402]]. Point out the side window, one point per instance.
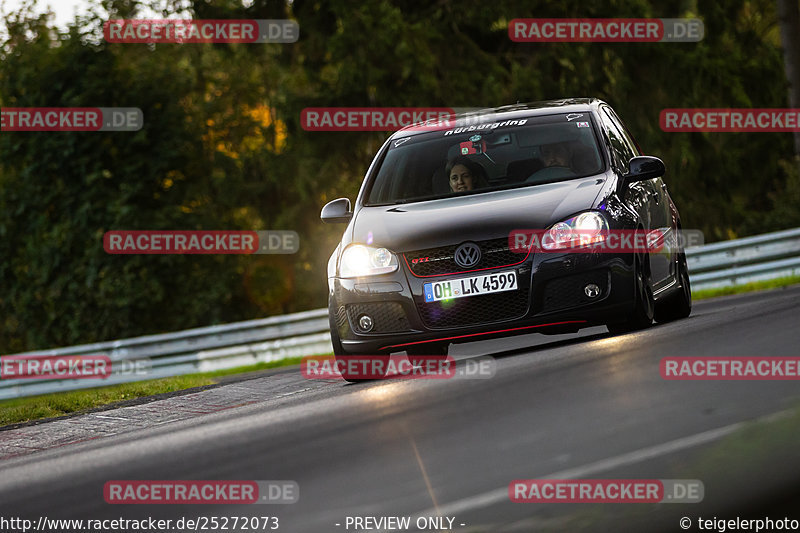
[[626, 134], [620, 149]]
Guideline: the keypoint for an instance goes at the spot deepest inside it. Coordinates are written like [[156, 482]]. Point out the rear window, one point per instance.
[[487, 156]]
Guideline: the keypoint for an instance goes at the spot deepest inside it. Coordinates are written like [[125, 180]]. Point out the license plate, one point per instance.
[[473, 286]]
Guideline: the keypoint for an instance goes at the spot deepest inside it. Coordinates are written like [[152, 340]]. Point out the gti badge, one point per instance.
[[467, 255]]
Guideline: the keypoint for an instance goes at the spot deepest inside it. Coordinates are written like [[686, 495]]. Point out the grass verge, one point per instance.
[[19, 410], [746, 287]]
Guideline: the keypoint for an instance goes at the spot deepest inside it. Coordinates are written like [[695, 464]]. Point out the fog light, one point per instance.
[[592, 290], [365, 322]]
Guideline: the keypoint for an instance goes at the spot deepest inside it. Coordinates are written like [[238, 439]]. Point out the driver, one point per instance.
[[556, 155]]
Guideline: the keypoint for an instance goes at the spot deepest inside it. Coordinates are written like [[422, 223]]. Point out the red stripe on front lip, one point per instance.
[[486, 333], [465, 271]]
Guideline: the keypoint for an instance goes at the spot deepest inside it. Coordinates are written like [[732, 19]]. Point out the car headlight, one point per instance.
[[587, 228], [360, 260]]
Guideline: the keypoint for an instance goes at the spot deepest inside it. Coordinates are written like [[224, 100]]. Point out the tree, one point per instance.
[[789, 21], [222, 146]]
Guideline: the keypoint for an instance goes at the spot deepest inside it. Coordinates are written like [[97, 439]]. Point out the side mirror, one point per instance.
[[336, 211], [644, 167]]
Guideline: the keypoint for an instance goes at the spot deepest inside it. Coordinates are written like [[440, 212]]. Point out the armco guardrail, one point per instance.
[[186, 352], [270, 339], [758, 258]]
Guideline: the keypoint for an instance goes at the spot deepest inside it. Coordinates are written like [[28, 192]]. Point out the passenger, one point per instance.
[[465, 175]]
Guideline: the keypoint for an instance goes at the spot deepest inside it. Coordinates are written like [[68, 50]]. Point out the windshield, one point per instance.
[[485, 157]]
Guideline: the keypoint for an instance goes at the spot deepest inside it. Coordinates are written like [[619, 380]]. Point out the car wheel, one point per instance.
[[643, 308], [679, 304], [351, 377], [342, 355], [418, 355], [338, 349], [430, 349]]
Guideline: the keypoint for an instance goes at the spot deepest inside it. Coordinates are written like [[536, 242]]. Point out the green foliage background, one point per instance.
[[222, 146]]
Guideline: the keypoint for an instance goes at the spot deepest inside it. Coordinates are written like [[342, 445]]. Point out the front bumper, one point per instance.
[[549, 298]]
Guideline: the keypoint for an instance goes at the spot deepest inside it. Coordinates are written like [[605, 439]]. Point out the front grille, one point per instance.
[[387, 317], [473, 310], [566, 292], [439, 261]]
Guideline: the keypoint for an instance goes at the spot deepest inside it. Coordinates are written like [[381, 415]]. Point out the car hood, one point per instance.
[[433, 223]]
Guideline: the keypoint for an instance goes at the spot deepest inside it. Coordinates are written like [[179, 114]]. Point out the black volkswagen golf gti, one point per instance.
[[430, 255]]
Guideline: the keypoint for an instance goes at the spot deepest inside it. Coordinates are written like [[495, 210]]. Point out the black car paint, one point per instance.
[[406, 227]]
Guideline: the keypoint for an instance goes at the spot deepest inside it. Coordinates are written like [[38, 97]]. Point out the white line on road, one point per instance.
[[500, 495]]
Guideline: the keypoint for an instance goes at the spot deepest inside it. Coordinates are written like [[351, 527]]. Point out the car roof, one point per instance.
[[509, 112]]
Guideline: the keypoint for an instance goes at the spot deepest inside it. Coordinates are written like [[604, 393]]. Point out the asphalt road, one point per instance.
[[577, 406]]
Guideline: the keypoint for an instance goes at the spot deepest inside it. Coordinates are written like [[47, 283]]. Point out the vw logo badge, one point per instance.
[[467, 255]]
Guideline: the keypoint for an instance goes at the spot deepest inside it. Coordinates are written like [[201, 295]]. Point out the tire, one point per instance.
[[679, 304], [435, 350], [342, 355], [439, 350], [338, 349], [557, 330], [644, 305]]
